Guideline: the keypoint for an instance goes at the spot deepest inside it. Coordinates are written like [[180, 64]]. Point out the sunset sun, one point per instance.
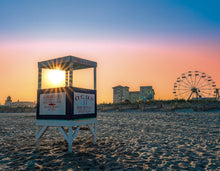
[[56, 76]]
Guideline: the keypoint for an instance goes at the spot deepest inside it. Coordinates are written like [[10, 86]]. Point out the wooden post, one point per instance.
[[70, 139], [95, 129], [66, 78], [37, 142], [71, 75], [94, 78], [39, 77]]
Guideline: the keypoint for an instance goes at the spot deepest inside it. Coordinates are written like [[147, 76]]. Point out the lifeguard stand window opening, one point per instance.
[[83, 78], [52, 78]]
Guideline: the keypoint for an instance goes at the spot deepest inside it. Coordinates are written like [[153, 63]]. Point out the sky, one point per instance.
[[135, 42]]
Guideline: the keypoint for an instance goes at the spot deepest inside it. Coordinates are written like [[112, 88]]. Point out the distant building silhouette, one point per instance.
[[9, 103], [146, 93], [134, 96], [121, 94]]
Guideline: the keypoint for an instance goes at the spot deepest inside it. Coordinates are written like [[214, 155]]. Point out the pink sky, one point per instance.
[[138, 63]]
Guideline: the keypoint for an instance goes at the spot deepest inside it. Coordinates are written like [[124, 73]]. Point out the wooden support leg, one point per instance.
[[70, 139], [37, 142], [69, 132], [64, 133], [93, 131], [95, 128], [39, 133], [70, 136], [75, 133]]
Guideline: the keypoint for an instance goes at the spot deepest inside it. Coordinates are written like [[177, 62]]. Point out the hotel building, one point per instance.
[[121, 94]]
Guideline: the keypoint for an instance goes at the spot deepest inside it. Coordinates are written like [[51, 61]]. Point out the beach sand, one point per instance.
[[128, 140]]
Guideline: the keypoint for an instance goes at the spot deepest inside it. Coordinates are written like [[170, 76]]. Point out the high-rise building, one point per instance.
[[120, 94]]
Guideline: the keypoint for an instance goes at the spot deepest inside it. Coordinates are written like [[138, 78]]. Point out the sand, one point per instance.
[[125, 141]]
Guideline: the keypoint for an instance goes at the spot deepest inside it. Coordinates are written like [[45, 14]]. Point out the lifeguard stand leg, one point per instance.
[[95, 128], [70, 136], [70, 139], [39, 133], [92, 128], [69, 133]]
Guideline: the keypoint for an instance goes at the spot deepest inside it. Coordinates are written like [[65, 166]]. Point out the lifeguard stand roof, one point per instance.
[[67, 62]]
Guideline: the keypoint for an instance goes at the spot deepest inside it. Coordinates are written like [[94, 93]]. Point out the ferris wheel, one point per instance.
[[194, 85]]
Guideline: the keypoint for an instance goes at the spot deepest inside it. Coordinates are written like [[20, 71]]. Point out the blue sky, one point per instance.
[[135, 42], [109, 19]]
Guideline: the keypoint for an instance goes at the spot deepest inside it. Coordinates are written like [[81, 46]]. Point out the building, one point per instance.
[[120, 94], [134, 96], [9, 103], [146, 93]]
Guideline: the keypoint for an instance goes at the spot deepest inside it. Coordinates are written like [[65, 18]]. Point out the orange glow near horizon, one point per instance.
[[119, 63]]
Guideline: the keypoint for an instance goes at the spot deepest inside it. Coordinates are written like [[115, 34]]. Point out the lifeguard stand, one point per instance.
[[67, 108]]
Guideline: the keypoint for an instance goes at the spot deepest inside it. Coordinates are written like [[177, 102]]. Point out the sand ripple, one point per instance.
[[131, 140]]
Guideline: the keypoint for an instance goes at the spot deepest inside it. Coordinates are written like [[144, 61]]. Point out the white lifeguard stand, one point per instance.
[[67, 108]]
